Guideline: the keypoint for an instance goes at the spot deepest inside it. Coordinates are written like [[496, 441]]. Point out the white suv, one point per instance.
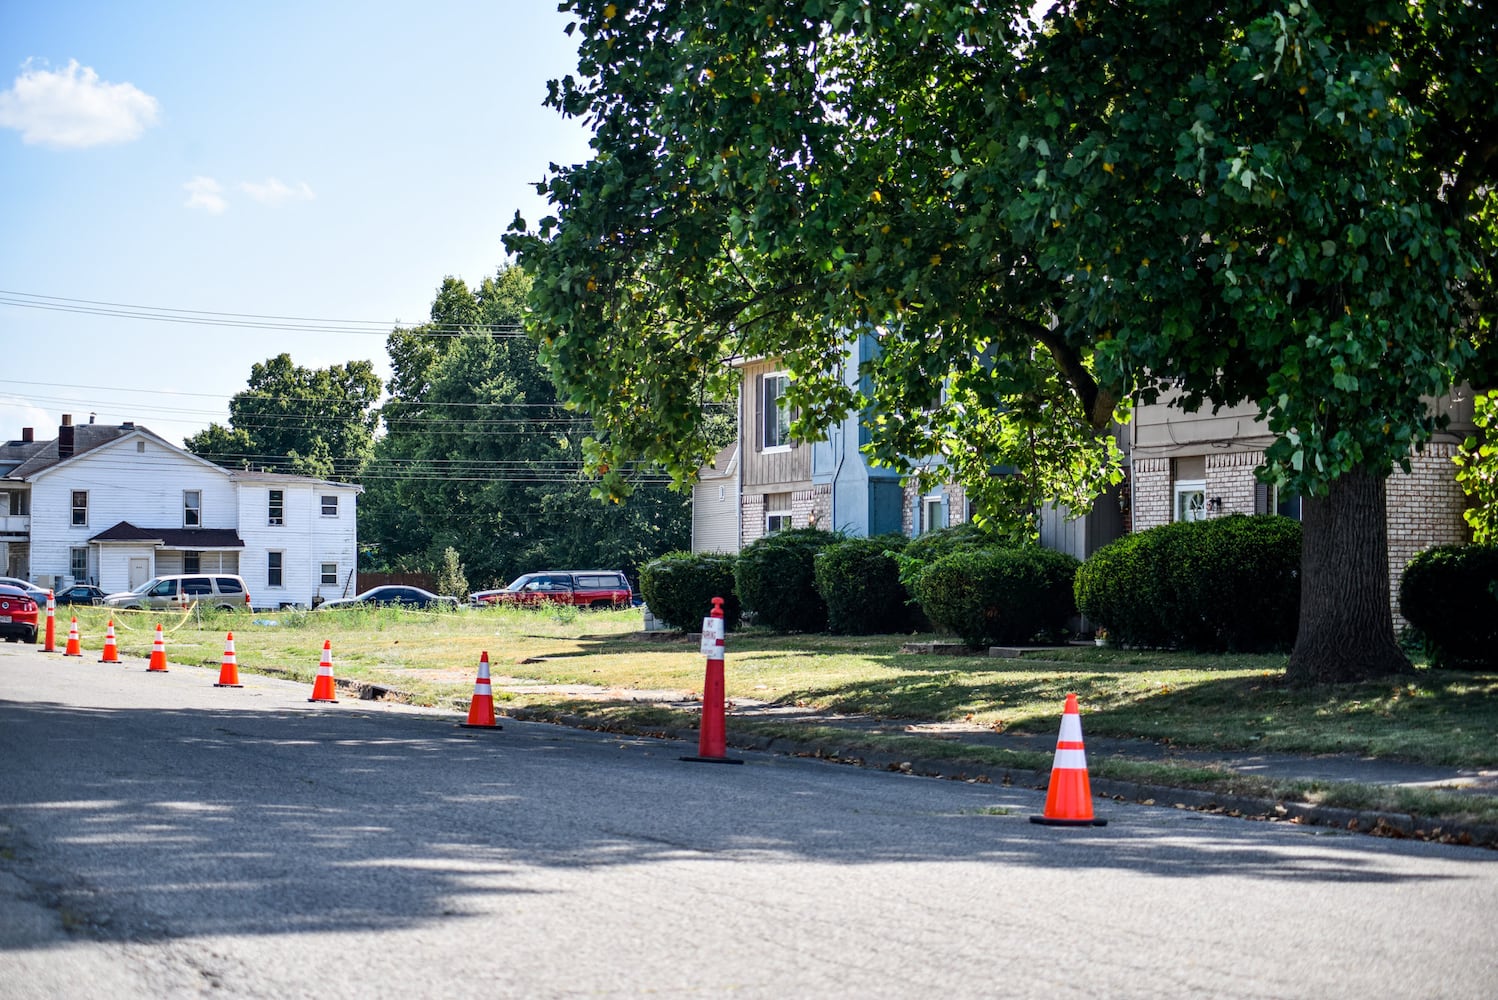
[[217, 590]]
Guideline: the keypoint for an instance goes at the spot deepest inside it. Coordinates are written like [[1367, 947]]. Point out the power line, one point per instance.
[[252, 321]]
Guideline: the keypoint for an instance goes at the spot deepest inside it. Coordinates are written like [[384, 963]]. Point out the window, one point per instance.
[[273, 569], [228, 585], [329, 573], [197, 587], [78, 563], [140, 447], [192, 509], [330, 506], [776, 429], [192, 562], [777, 512], [276, 510], [933, 514], [1191, 500], [80, 508]]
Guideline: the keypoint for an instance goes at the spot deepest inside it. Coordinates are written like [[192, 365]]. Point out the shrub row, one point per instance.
[[807, 580], [1227, 583], [1449, 595]]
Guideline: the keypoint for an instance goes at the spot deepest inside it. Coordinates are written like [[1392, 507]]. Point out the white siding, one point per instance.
[[715, 516], [141, 479], [123, 483], [307, 538]]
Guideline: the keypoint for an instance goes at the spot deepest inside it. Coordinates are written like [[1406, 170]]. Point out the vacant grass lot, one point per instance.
[[1189, 700]]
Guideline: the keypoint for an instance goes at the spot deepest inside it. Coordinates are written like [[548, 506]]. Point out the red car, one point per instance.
[[17, 615], [590, 588]]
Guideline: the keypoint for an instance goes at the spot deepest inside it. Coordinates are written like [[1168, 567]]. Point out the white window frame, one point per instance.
[[80, 511], [275, 570], [73, 563], [1181, 507], [275, 508], [192, 508], [329, 574], [774, 418], [778, 518], [324, 499], [939, 502], [192, 562]]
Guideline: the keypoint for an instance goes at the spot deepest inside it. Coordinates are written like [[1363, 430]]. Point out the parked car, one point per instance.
[[219, 590], [37, 593], [589, 588], [18, 614], [392, 595], [81, 593]]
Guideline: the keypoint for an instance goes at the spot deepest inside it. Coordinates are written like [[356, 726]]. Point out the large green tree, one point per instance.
[[310, 421], [480, 456], [1274, 202]]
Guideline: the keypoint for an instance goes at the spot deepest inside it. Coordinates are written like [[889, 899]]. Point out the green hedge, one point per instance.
[[999, 596], [860, 584], [775, 579], [1449, 594], [679, 588], [1226, 583]]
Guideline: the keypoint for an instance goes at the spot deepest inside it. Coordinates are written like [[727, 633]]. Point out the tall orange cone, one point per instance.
[[481, 708], [228, 674], [322, 687], [75, 648], [111, 652], [712, 740], [158, 654], [51, 644], [1068, 801]]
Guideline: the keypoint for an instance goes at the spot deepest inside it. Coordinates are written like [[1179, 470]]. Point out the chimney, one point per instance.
[[65, 437], [28, 435]]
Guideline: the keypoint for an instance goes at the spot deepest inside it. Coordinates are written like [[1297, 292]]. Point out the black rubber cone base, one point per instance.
[[228, 685], [1043, 821], [712, 760], [469, 725]]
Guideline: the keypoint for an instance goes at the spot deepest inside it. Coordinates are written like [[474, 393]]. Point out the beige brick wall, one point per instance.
[[753, 506], [1150, 492], [1230, 478], [1425, 509], [956, 506]]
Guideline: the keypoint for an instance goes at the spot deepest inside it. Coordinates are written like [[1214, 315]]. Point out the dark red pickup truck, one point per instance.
[[590, 588]]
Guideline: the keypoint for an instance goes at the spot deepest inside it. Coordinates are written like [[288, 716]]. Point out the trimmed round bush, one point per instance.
[[860, 584], [1450, 595], [775, 578], [999, 596], [679, 588], [1223, 584]]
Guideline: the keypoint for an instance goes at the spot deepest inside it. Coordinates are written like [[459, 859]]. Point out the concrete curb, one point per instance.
[[1371, 822]]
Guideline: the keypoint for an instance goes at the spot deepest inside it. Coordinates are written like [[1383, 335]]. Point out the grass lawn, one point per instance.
[[1188, 700]]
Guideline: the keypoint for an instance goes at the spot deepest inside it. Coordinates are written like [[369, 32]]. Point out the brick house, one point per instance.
[[1186, 466]]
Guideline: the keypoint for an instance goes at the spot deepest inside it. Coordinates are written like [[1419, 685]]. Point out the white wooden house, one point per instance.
[[117, 504]]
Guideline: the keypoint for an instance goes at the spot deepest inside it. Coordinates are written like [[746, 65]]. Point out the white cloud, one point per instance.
[[73, 109], [273, 192], [205, 193]]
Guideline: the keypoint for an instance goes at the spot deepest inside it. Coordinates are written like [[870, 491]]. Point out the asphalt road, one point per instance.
[[160, 837]]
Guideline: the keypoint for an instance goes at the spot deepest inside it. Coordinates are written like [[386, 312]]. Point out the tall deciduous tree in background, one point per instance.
[[309, 421], [1274, 202], [479, 455]]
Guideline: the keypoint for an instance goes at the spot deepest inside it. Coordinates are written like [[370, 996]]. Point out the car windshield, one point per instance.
[[520, 582], [144, 587]]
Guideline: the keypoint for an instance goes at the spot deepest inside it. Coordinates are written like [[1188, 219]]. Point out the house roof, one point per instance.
[[250, 476], [14, 453], [723, 465], [173, 538], [88, 438]]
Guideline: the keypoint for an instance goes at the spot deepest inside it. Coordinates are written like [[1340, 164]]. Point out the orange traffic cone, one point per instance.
[[481, 709], [75, 648], [1068, 801], [322, 687], [111, 652], [158, 654], [228, 674]]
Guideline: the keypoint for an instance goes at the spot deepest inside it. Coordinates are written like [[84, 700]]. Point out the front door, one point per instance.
[[140, 571]]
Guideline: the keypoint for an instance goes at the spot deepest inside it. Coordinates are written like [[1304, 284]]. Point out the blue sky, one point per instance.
[[327, 160]]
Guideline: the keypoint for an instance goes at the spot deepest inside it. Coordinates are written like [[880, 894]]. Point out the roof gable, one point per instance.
[[88, 439]]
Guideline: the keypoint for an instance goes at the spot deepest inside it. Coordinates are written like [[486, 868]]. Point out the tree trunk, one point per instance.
[[1346, 626]]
